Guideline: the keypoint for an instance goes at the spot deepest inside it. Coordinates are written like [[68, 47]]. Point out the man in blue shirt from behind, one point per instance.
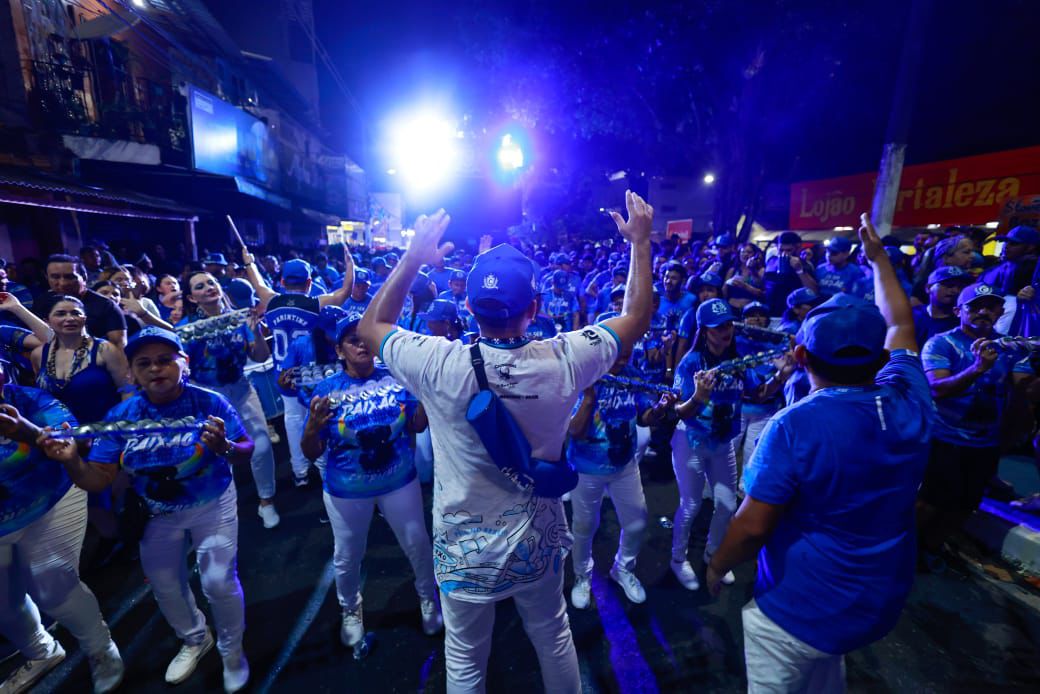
[[830, 507]]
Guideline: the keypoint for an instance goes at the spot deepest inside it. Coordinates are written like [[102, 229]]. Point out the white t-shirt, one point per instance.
[[490, 538]]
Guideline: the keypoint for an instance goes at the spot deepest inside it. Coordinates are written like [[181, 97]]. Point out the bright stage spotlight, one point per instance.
[[425, 151], [510, 154]]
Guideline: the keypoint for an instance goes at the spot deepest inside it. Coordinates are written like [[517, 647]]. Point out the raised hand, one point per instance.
[[214, 436], [9, 302], [868, 236], [426, 244], [485, 243], [640, 219], [321, 413]]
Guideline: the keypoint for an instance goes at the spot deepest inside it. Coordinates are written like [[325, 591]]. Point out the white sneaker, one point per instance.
[[685, 574], [728, 579], [432, 621], [566, 498], [634, 590], [581, 593], [269, 515], [106, 669], [183, 664], [32, 671], [272, 434], [353, 628], [236, 672], [301, 480]]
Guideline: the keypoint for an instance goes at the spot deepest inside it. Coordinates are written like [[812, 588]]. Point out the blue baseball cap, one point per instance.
[[845, 330], [214, 259], [296, 271], [802, 295], [755, 307], [378, 262], [838, 244], [345, 325], [617, 291], [560, 279], [441, 309], [710, 279], [501, 283], [362, 276], [152, 335], [976, 291], [457, 275], [241, 293], [713, 313], [949, 272], [620, 270], [420, 283], [329, 317], [1022, 234], [724, 239]]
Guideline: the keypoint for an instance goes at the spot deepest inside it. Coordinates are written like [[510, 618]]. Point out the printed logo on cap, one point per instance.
[[983, 289], [490, 282], [719, 308]]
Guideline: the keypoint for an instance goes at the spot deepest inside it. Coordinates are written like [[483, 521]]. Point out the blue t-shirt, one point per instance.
[[719, 420], [831, 280], [289, 316], [540, 328], [671, 312], [171, 472], [352, 305], [927, 327], [30, 482], [440, 278], [973, 417], [561, 308], [688, 324], [610, 438], [837, 569], [219, 359], [368, 448]]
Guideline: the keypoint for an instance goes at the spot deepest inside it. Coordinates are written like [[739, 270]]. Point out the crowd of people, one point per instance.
[[844, 405]]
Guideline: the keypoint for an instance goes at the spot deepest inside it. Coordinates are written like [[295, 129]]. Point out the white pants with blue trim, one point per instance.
[[626, 493], [709, 461]]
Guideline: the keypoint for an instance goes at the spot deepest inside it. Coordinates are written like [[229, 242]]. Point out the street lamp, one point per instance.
[[709, 178]]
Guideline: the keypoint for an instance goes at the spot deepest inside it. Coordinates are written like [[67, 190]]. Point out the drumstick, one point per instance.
[[235, 229]]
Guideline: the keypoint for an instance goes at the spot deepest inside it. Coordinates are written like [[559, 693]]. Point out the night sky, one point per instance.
[[978, 89]]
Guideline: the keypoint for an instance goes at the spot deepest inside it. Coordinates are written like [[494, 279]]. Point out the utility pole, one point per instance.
[[890, 171]]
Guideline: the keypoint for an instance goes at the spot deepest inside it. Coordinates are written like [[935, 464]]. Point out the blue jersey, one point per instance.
[[561, 308], [671, 312], [831, 280], [687, 324], [290, 316], [30, 482], [719, 420], [609, 443], [973, 417], [352, 305], [368, 447], [541, 328], [12, 346], [171, 472], [219, 359], [837, 569]]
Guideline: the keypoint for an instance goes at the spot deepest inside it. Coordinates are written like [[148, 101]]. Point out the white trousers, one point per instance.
[[42, 561], [350, 519], [753, 425], [295, 415], [778, 662], [246, 402], [711, 462], [467, 638], [212, 530], [626, 492]]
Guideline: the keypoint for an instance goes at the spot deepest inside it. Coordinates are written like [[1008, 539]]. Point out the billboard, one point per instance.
[[226, 140], [971, 190]]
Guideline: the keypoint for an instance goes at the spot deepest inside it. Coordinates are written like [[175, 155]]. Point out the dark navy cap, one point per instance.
[[457, 275], [241, 293], [617, 291], [977, 291], [378, 262], [844, 330], [755, 307], [620, 270], [441, 309], [363, 276], [1022, 234], [344, 325], [501, 283], [420, 283], [296, 271], [710, 279], [214, 259], [152, 335], [838, 244], [330, 316], [713, 313], [949, 272], [802, 295]]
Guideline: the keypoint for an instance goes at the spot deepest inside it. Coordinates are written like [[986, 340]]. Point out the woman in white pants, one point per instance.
[[218, 362], [702, 448], [604, 449], [43, 520], [184, 479], [361, 419]]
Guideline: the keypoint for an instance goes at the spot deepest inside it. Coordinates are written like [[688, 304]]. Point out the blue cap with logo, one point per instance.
[[949, 272], [845, 330], [329, 316], [440, 309], [974, 292], [214, 259], [241, 293], [501, 283], [296, 271], [802, 295], [755, 307], [713, 313], [838, 244], [362, 276], [1022, 234], [457, 275], [620, 271], [152, 335], [344, 325], [709, 279]]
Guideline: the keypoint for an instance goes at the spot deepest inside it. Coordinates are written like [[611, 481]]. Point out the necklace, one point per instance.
[[507, 342], [78, 357]]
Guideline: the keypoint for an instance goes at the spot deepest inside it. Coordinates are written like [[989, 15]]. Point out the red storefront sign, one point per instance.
[[683, 228], [971, 190]]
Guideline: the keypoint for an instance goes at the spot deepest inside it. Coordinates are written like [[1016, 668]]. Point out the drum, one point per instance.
[[265, 380]]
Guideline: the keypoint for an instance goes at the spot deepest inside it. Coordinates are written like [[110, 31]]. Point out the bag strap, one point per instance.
[[478, 365]]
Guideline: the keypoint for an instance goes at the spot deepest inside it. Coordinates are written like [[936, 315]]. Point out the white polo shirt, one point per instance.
[[490, 538]]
